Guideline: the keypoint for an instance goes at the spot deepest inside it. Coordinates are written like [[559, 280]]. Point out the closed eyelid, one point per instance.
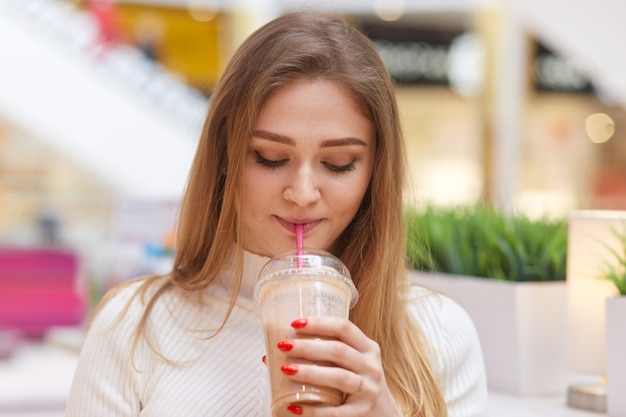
[[269, 161], [342, 168]]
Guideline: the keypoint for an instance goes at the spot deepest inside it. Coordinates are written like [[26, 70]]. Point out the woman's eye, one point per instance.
[[268, 162], [341, 168]]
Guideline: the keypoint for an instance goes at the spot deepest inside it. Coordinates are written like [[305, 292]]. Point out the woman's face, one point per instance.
[[309, 162]]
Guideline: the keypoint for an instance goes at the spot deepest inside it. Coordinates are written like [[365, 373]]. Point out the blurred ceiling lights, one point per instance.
[[600, 127], [390, 10], [203, 10]]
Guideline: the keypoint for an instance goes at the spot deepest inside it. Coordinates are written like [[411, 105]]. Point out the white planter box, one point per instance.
[[522, 329], [591, 238], [616, 356]]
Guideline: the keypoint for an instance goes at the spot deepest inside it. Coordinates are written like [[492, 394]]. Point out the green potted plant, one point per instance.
[[479, 241], [508, 272]]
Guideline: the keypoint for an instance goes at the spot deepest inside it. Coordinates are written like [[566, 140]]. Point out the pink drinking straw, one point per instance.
[[299, 242]]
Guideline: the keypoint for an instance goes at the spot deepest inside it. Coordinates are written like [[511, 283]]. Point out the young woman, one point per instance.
[[302, 129]]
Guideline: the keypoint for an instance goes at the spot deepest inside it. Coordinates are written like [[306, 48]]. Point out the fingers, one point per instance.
[[335, 340], [341, 379], [344, 357], [333, 352], [335, 327], [348, 346]]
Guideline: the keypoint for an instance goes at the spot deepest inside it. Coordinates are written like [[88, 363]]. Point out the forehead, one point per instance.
[[305, 84], [315, 105]]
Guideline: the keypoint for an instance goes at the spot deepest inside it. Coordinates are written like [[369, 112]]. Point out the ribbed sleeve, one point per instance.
[[205, 376], [103, 385]]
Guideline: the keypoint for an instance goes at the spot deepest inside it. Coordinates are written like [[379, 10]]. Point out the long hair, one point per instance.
[[315, 46]]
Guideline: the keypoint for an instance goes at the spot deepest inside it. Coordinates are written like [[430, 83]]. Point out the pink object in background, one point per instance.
[[106, 17], [39, 289]]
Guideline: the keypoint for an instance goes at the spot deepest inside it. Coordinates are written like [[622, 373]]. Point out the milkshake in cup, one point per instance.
[[300, 283]]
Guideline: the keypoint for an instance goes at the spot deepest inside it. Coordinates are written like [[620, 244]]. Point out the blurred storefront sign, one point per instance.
[[555, 73], [455, 57], [443, 57], [414, 55], [415, 62]]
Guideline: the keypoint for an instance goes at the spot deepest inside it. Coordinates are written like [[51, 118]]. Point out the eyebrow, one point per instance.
[[328, 143]]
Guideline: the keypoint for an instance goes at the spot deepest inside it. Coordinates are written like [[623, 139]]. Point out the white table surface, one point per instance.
[[35, 382], [506, 405]]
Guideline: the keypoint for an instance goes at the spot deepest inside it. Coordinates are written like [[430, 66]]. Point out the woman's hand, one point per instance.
[[359, 372]]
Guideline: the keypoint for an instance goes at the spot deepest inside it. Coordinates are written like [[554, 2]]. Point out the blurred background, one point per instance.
[[518, 103]]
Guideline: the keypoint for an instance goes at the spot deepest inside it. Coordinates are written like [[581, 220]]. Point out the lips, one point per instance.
[[290, 223]]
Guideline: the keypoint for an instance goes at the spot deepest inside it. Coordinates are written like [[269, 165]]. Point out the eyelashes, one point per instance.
[[277, 163], [341, 168], [270, 163]]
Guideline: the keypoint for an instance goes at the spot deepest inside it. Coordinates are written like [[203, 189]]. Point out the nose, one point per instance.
[[302, 188]]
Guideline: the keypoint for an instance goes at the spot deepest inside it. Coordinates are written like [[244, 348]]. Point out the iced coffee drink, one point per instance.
[[293, 286]]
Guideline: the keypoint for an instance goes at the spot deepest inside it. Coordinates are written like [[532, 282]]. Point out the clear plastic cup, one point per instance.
[[300, 283]]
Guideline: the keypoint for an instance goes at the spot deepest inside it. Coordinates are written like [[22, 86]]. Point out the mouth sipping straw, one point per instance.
[[299, 242]]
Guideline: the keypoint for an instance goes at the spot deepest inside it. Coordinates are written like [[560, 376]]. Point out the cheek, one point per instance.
[[258, 188], [360, 190], [350, 196]]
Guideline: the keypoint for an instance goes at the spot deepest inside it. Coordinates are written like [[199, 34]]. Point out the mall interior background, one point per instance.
[[101, 104]]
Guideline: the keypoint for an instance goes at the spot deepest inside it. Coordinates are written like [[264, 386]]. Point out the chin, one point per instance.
[[268, 252]]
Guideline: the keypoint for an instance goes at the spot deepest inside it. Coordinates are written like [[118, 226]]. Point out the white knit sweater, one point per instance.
[[224, 376]]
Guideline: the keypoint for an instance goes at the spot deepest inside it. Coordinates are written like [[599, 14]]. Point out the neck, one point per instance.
[[252, 265]]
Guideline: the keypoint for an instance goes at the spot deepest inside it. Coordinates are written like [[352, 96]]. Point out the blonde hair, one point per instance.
[[294, 46]]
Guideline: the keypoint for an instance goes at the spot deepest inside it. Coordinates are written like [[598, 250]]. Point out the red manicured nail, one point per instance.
[[264, 359], [289, 369], [299, 323], [285, 345], [294, 409]]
